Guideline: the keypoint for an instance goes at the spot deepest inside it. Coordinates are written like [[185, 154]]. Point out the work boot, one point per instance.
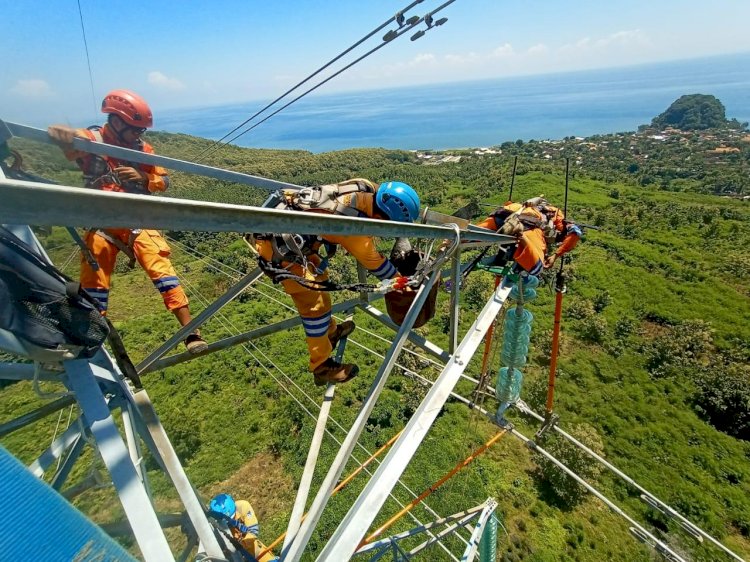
[[334, 372], [342, 330], [195, 344]]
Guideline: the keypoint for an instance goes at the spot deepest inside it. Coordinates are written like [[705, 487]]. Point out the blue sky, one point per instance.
[[186, 54]]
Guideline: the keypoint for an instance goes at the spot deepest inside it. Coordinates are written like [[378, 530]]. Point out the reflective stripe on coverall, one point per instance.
[[151, 251]]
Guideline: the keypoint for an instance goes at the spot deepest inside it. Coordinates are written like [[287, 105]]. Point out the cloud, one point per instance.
[[625, 38], [32, 88], [463, 59], [423, 58], [162, 81], [538, 49], [505, 50]]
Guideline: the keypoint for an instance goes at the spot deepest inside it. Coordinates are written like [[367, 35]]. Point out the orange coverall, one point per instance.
[[532, 245], [315, 306], [149, 247]]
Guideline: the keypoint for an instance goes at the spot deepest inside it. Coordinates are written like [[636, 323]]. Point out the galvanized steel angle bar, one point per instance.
[[303, 536], [80, 375], [57, 448], [232, 293], [353, 527], [56, 205], [36, 415], [295, 520], [129, 155], [195, 510], [241, 338]]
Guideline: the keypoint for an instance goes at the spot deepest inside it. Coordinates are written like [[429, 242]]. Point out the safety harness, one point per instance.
[[298, 248], [126, 249], [99, 171]]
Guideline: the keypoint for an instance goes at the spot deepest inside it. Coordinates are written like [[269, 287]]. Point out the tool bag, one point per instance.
[[45, 310], [398, 302]]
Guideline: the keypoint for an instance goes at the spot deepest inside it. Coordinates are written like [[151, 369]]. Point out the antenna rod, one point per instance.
[[513, 179], [567, 175]]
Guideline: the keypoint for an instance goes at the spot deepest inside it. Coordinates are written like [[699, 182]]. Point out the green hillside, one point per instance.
[[654, 359]]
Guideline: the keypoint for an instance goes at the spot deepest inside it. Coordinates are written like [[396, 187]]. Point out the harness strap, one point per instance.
[[98, 170], [127, 249]]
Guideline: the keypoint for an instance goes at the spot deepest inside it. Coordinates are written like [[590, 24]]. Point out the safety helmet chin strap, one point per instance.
[[135, 145], [113, 128]]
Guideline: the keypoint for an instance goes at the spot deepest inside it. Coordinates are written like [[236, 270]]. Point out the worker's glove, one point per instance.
[[126, 173], [534, 201], [398, 283], [62, 135]]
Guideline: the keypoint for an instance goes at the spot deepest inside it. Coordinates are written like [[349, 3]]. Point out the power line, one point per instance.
[[398, 18], [387, 40], [229, 325], [88, 59]]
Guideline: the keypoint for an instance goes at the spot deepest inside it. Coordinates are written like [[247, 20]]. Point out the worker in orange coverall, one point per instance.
[[128, 118], [300, 256], [535, 222]]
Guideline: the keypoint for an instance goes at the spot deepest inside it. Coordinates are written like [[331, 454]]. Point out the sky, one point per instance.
[[180, 54]]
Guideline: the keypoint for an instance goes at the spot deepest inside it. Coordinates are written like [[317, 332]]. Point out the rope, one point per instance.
[[206, 259], [367, 54], [425, 268], [429, 491]]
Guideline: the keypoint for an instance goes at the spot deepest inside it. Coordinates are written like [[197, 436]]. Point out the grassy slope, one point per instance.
[[227, 416]]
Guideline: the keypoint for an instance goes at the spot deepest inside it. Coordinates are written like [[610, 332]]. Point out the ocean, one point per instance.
[[480, 113]]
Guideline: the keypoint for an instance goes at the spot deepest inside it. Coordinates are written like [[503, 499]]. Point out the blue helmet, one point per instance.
[[224, 504], [398, 200]]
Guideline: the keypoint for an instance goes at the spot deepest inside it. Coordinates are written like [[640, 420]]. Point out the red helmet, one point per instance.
[[129, 106]]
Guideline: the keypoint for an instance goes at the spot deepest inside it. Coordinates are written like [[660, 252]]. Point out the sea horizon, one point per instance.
[[478, 113]]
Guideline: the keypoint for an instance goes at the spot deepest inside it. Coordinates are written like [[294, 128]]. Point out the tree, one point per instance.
[[691, 112], [563, 486], [723, 398]]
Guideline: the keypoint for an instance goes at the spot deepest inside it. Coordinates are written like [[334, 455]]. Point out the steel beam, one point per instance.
[[476, 535], [195, 510], [455, 300], [233, 292], [56, 449], [35, 415], [470, 513], [353, 527], [121, 153], [93, 480], [241, 338], [321, 499], [80, 375], [452, 528], [414, 338], [64, 471], [44, 204], [303, 490], [134, 444]]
